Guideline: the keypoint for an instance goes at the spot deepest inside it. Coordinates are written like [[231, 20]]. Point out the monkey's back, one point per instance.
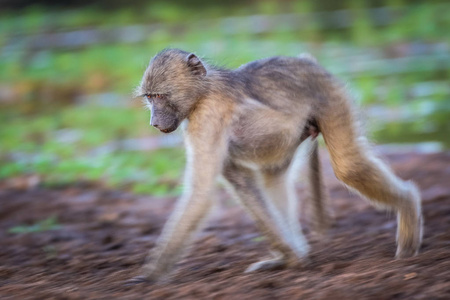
[[280, 94], [284, 83]]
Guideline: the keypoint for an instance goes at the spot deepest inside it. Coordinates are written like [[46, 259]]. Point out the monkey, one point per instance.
[[256, 126]]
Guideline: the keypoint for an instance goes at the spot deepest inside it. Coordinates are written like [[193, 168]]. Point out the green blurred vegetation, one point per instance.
[[51, 223], [118, 67], [32, 144], [47, 130]]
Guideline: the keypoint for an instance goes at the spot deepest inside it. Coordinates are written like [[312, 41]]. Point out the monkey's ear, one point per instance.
[[195, 65]]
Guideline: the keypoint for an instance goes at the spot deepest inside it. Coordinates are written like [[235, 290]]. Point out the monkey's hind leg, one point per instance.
[[269, 220], [280, 189], [356, 166]]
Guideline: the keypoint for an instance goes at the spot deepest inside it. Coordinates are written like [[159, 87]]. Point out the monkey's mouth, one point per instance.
[[167, 130]]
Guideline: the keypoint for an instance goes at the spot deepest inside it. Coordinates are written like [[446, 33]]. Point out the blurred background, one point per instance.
[[67, 72]]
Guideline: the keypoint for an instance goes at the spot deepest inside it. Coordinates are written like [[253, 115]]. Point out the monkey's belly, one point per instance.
[[264, 136], [264, 150]]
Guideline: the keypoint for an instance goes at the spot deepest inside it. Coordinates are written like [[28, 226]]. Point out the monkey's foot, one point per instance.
[[137, 280], [264, 265]]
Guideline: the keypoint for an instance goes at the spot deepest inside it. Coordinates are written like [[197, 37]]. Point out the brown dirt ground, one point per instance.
[[106, 234]]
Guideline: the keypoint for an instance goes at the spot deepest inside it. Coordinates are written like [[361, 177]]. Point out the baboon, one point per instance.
[[247, 125]]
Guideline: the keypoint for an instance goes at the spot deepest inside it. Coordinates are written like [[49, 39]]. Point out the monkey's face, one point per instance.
[[164, 115], [172, 85]]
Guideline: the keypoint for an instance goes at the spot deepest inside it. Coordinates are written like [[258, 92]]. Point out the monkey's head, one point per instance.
[[172, 85]]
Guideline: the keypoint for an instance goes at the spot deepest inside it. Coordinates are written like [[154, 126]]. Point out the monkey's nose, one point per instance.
[[156, 125]]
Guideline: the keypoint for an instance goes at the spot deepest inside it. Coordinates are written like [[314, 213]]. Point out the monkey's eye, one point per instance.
[[155, 96]]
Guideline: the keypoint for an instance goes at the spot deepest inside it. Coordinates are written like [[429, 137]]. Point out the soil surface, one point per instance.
[[105, 235]]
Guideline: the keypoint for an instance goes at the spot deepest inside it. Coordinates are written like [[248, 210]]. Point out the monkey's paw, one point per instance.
[[138, 280], [264, 265]]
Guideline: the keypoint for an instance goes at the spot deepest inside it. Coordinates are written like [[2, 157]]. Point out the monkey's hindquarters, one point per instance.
[[356, 166]]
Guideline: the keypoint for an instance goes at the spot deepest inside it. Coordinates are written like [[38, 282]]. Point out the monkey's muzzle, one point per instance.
[[167, 130]]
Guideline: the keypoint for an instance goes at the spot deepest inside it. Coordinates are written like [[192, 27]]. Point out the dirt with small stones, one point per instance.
[[105, 236]]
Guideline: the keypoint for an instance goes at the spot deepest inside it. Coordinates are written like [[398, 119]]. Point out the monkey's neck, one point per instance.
[[222, 81]]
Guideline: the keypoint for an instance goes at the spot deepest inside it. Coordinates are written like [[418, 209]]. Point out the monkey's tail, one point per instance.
[[352, 157], [356, 166]]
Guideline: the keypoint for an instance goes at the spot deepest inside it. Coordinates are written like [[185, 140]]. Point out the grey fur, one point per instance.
[[247, 124]]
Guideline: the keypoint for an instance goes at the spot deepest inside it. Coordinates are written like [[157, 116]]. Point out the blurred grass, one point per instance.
[[47, 130], [118, 67], [51, 223], [43, 145]]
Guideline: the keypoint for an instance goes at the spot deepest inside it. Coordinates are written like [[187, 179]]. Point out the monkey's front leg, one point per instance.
[[189, 211], [203, 166]]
